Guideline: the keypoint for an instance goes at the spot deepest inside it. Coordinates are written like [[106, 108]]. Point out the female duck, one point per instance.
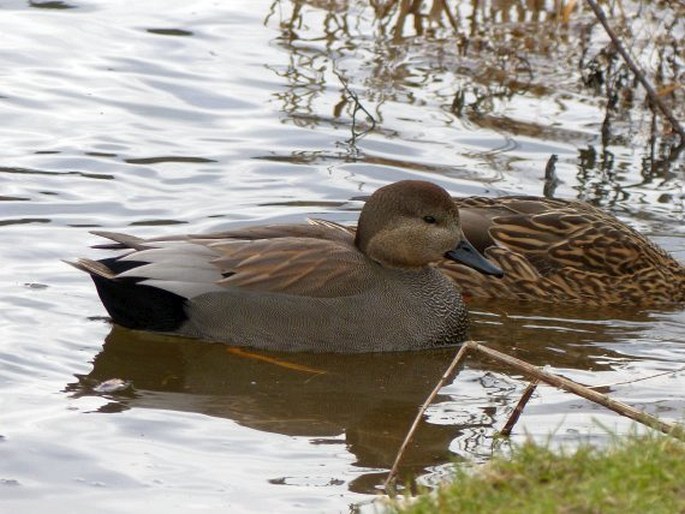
[[563, 251], [315, 287]]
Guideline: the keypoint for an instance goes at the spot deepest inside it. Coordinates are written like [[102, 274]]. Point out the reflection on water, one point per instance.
[[369, 400], [578, 336], [512, 69]]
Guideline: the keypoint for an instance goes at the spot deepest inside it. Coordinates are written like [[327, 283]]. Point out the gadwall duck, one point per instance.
[[314, 287], [563, 251]]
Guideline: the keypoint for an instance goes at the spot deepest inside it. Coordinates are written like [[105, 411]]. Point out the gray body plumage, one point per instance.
[[399, 310]]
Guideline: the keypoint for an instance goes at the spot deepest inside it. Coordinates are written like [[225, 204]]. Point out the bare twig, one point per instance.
[[672, 429], [516, 413], [651, 92], [621, 408], [632, 381], [389, 482]]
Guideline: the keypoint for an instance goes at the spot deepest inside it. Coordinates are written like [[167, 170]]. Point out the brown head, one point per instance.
[[412, 223]]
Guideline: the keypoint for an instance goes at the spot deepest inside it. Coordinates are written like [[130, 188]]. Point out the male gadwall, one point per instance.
[[301, 287], [563, 251]]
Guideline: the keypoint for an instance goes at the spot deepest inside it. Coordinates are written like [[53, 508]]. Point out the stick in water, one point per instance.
[[672, 429]]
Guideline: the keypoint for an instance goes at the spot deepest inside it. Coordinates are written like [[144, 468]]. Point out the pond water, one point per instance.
[[162, 117]]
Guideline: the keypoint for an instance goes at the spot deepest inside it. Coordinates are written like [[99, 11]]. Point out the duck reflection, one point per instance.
[[370, 399], [564, 336], [365, 401]]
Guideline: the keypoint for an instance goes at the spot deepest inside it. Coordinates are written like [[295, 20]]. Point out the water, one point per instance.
[[155, 119]]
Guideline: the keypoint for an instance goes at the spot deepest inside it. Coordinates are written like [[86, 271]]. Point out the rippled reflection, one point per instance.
[[490, 65], [369, 400]]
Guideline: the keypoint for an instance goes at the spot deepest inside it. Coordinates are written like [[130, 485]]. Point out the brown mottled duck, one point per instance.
[[555, 250]]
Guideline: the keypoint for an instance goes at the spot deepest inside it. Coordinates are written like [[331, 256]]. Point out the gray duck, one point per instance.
[[302, 287]]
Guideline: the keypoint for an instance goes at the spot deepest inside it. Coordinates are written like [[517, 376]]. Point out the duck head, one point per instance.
[[412, 223]]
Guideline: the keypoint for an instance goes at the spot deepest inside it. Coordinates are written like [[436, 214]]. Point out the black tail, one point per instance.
[[138, 306]]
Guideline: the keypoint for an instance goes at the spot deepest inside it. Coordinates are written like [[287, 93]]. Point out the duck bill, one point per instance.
[[465, 253]]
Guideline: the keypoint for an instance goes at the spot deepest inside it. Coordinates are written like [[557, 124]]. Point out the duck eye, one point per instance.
[[429, 219]]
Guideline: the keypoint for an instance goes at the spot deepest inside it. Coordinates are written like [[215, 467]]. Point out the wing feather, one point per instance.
[[315, 259], [300, 266]]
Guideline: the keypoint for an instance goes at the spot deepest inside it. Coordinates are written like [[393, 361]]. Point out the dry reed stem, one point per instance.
[[672, 429], [582, 391], [400, 453], [516, 413]]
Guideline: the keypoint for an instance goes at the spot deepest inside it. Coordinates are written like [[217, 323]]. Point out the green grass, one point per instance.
[[635, 475]]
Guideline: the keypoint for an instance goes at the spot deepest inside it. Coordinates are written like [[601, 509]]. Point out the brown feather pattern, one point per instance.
[[294, 265], [563, 251]]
